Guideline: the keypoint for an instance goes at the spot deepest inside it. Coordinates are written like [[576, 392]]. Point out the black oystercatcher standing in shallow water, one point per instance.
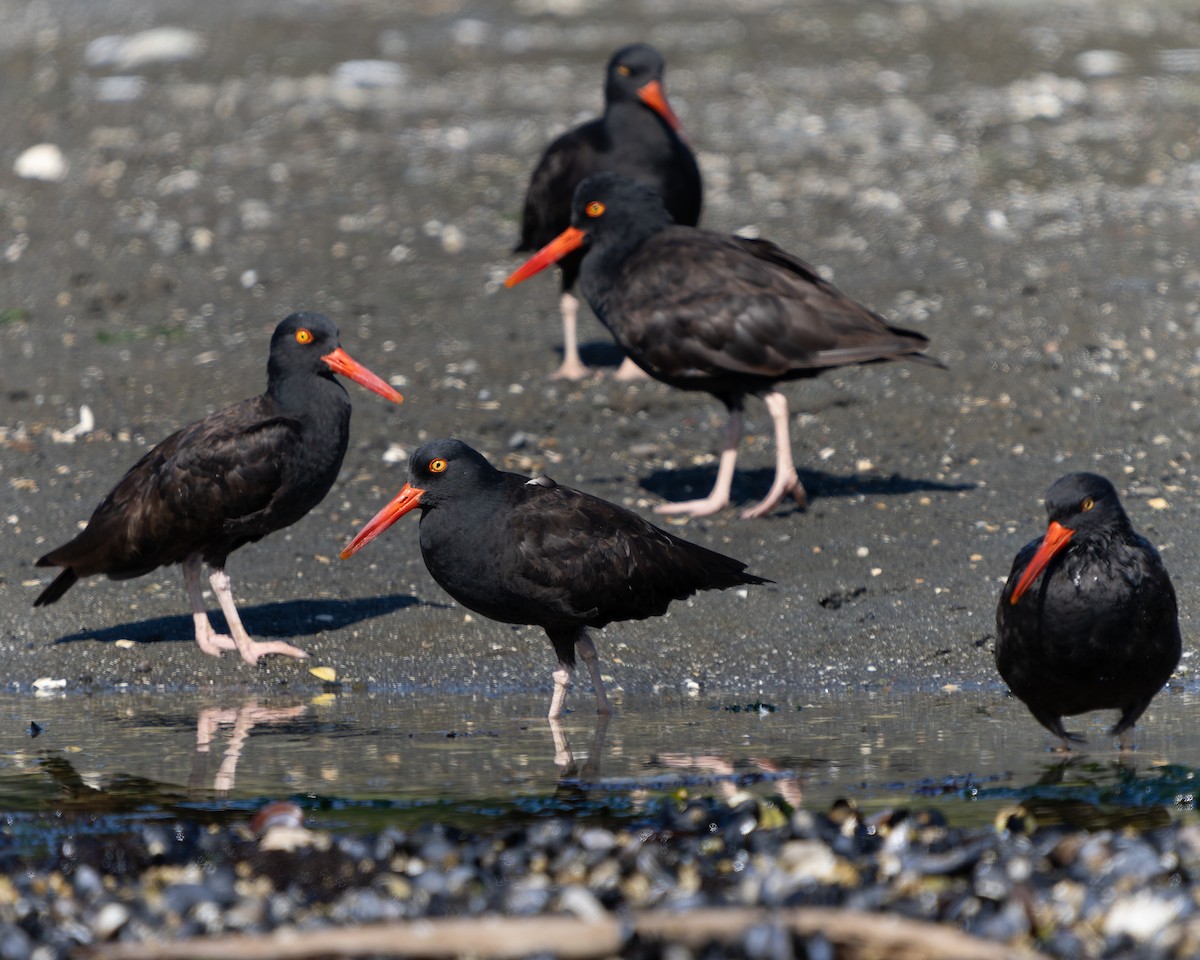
[[228, 480], [529, 551], [1087, 620], [639, 136], [702, 310]]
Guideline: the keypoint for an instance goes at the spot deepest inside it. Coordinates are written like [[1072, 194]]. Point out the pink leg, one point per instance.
[[572, 366], [562, 680], [207, 638], [786, 479], [719, 498], [250, 650]]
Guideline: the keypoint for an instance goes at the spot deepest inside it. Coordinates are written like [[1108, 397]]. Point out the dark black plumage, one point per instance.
[[639, 136], [1087, 619], [228, 480], [702, 310], [533, 552]]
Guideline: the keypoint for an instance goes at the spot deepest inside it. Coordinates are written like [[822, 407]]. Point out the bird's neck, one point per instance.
[[640, 127], [305, 393], [606, 261]]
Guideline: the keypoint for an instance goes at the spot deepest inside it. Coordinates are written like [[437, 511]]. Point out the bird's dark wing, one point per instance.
[[600, 562], [547, 211], [203, 485], [699, 303]]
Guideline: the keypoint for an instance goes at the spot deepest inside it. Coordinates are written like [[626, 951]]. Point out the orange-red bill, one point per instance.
[[1055, 539], [408, 497], [653, 96], [347, 366], [570, 239]]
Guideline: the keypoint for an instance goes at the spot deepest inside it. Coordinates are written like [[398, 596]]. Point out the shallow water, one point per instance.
[[953, 165], [363, 761]]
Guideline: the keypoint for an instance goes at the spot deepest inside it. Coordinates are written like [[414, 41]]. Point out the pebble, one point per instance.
[[158, 45], [45, 161], [368, 74], [1053, 889], [1103, 63]]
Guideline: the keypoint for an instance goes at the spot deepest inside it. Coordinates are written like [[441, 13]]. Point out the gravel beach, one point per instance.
[[1015, 180]]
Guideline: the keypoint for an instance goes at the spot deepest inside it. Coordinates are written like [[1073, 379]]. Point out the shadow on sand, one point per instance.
[[291, 618], [749, 485]]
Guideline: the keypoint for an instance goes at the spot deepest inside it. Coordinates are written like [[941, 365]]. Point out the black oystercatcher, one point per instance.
[[639, 136], [530, 551], [702, 310], [1087, 620], [228, 480]]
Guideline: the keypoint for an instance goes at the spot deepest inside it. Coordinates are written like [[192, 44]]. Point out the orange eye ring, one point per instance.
[[1087, 504], [594, 209], [437, 465], [304, 336], [623, 70]]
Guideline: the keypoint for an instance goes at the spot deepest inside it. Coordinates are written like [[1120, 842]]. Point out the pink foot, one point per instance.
[[776, 497], [694, 508], [262, 648], [572, 370]]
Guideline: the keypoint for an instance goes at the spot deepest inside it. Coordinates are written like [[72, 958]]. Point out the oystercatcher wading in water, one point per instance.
[[534, 552], [1087, 619]]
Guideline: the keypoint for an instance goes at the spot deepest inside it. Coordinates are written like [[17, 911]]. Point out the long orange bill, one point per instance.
[[570, 239], [652, 95], [408, 497], [347, 366], [1055, 539]]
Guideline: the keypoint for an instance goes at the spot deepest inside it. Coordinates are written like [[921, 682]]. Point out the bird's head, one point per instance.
[[438, 471], [308, 343], [605, 206], [1078, 504], [635, 73]]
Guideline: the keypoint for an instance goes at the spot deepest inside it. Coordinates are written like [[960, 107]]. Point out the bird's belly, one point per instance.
[[480, 580], [1083, 648]]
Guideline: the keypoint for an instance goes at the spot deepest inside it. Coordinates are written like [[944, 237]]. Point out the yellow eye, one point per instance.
[[1087, 504], [594, 209], [624, 70], [303, 336], [437, 465]]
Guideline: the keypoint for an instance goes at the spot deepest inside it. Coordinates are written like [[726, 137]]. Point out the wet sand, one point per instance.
[[1015, 180]]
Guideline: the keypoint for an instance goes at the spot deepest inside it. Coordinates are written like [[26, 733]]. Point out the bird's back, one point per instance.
[[704, 310], [221, 482]]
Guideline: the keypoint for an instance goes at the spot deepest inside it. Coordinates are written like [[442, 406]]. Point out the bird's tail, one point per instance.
[[62, 583], [720, 572]]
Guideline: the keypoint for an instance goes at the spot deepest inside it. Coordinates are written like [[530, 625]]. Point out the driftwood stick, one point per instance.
[[854, 933], [493, 936], [857, 935]]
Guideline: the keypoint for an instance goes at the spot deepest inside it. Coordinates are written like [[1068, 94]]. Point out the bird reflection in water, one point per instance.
[[242, 720], [732, 783], [564, 758]]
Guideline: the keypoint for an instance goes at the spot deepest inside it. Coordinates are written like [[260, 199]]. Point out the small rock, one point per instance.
[[108, 920], [158, 45], [1103, 63], [45, 161], [368, 74]]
